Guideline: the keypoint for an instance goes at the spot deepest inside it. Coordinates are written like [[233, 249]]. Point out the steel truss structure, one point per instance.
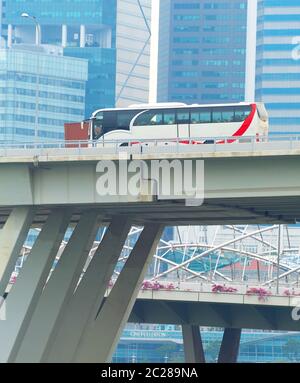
[[236, 255]]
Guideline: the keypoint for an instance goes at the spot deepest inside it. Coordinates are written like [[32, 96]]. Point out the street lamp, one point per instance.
[[37, 27]]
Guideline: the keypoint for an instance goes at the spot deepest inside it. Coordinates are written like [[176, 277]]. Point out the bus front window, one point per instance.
[[97, 126]]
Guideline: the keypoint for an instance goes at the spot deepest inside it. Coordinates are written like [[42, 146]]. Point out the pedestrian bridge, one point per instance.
[[240, 309]]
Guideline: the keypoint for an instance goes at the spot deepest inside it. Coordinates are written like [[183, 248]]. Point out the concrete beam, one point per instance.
[[98, 342], [230, 345], [87, 299], [58, 291], [24, 295], [12, 238], [193, 346]]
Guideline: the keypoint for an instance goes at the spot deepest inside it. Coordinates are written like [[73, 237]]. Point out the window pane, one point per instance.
[[124, 118], [217, 116], [223, 115], [183, 117], [149, 118], [99, 116], [228, 115], [200, 116], [157, 119], [205, 117], [195, 118], [169, 117], [241, 113]]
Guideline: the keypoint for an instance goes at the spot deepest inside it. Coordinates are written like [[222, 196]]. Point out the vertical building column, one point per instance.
[[12, 238], [193, 346], [38, 34], [24, 295], [58, 290], [98, 342], [82, 36], [64, 35], [9, 35], [89, 295], [230, 345]]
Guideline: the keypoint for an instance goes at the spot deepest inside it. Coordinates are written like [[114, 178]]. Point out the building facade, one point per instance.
[[83, 29], [114, 36], [164, 344], [40, 89], [133, 52], [277, 63], [202, 51]]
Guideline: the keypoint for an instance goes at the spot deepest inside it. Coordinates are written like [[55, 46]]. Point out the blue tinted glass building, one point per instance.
[[164, 344], [114, 35], [278, 63], [84, 29], [202, 51], [40, 89]]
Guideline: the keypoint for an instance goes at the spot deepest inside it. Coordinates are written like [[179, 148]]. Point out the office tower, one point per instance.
[[202, 51], [83, 29], [112, 34], [40, 89], [133, 51], [277, 63]]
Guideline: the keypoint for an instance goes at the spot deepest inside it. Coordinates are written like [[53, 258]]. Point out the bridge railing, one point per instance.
[[147, 146]]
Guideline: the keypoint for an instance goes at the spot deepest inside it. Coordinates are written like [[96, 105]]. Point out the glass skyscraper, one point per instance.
[[133, 51], [114, 35], [40, 90], [83, 29], [278, 63], [202, 51]]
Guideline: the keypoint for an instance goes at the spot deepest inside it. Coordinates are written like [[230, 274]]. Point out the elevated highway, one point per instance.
[[55, 188]]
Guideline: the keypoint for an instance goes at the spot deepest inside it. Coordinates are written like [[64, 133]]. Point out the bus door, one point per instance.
[[183, 124]]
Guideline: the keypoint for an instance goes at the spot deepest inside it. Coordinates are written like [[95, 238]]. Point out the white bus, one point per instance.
[[180, 122]]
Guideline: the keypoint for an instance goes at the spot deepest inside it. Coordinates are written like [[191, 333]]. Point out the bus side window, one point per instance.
[[157, 119], [201, 117], [183, 117], [241, 113], [228, 115], [195, 118], [169, 117], [149, 118]]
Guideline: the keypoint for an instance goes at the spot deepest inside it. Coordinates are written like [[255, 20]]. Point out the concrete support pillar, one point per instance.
[[98, 342], [230, 345], [82, 36], [88, 297], [64, 35], [12, 238], [9, 35], [193, 346], [58, 291], [24, 295]]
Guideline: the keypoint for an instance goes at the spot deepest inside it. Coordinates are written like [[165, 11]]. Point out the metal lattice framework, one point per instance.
[[220, 254]]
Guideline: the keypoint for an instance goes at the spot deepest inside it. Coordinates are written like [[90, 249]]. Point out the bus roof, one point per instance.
[[171, 105]]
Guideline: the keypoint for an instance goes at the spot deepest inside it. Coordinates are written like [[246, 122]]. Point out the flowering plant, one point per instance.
[[223, 289], [262, 293]]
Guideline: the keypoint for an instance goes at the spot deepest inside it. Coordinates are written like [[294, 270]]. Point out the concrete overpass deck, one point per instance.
[[258, 185]]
